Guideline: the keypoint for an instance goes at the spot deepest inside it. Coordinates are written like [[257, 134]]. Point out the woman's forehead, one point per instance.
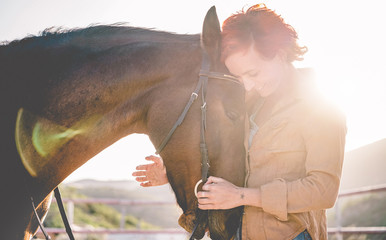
[[242, 61]]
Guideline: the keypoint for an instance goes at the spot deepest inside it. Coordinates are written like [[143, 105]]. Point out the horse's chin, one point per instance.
[[223, 224], [188, 221]]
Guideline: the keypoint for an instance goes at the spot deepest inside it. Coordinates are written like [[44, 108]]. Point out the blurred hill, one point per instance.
[[365, 166], [124, 188], [93, 216], [164, 216]]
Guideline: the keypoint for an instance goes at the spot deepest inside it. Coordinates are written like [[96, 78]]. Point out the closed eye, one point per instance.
[[232, 115], [253, 74]]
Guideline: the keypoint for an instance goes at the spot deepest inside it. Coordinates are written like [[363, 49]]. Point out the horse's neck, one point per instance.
[[89, 113]]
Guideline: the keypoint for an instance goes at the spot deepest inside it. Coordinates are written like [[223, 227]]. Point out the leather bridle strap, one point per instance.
[[205, 65], [202, 84], [62, 213], [204, 75], [39, 221], [204, 151], [220, 76], [181, 118]]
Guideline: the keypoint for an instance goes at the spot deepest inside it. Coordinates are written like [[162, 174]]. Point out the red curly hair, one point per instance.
[[263, 28]]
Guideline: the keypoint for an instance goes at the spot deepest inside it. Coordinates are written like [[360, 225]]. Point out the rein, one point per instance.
[[204, 75], [62, 214]]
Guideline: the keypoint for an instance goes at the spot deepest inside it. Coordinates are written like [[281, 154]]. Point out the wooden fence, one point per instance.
[[338, 231]]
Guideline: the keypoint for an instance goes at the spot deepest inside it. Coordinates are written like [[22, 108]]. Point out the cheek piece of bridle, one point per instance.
[[204, 75]]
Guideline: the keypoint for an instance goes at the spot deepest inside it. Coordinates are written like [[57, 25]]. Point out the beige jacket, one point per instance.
[[296, 160]]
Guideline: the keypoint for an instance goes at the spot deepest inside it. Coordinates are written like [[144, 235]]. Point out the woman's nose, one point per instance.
[[248, 84]]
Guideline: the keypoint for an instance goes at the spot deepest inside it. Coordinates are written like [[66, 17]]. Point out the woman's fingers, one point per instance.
[[138, 173], [204, 201], [143, 167], [212, 179], [141, 179], [153, 158], [146, 184], [211, 183], [206, 206], [203, 194], [153, 174]]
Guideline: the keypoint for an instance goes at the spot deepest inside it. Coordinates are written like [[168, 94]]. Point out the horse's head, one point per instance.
[[224, 136]]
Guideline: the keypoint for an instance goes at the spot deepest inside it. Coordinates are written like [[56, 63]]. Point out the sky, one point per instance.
[[346, 41]]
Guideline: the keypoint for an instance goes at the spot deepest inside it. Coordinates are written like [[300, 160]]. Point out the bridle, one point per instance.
[[204, 75]]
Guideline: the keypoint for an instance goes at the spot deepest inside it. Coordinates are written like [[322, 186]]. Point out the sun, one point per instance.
[[356, 85]]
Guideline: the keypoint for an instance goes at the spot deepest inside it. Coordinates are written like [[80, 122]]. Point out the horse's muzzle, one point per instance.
[[221, 224], [188, 221]]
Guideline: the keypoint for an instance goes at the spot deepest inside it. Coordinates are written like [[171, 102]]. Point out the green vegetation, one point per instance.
[[92, 215], [163, 216], [368, 211], [363, 211]]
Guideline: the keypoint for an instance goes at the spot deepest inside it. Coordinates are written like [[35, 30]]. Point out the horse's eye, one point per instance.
[[232, 115]]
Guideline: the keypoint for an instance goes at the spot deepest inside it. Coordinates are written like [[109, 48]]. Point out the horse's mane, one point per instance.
[[96, 37], [57, 52]]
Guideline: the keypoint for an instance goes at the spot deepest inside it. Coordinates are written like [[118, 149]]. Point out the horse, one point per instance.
[[68, 94]]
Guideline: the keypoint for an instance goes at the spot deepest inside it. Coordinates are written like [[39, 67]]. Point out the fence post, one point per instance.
[[338, 218], [70, 212], [123, 215], [139, 223]]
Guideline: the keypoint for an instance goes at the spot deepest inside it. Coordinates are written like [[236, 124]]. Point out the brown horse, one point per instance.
[[66, 96]]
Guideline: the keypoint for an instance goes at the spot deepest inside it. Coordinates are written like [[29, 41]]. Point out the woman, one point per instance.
[[296, 141]]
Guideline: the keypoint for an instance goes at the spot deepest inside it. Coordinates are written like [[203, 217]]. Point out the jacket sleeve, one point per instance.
[[324, 138]]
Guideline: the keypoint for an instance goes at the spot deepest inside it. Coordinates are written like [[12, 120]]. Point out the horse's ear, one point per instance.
[[211, 35]]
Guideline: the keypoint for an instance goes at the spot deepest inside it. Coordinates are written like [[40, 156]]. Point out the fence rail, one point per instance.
[[358, 230], [118, 231], [339, 231], [112, 201]]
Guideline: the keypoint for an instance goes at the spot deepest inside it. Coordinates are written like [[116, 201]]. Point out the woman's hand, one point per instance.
[[153, 174], [219, 194]]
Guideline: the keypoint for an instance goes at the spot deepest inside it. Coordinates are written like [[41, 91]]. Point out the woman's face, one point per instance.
[[257, 72]]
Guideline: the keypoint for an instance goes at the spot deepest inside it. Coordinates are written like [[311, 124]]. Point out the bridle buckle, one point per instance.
[[195, 95]]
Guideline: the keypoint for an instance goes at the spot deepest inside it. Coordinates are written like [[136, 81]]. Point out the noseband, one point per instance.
[[204, 75]]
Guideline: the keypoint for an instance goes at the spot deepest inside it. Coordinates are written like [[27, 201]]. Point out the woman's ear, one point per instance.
[[211, 35]]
